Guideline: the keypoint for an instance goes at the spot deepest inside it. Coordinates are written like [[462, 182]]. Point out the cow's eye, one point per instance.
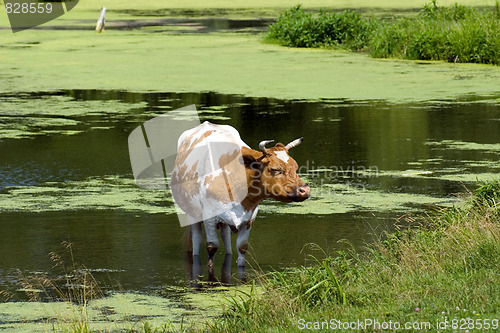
[[276, 171]]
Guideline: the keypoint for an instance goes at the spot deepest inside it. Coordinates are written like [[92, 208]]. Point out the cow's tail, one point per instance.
[[187, 240]]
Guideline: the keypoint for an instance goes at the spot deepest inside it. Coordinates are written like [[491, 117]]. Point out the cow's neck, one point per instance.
[[251, 202], [256, 194]]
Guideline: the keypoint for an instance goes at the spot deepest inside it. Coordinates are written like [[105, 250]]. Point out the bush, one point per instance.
[[296, 28]]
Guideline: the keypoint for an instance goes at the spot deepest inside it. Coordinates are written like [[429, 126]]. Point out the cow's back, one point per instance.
[[209, 178]]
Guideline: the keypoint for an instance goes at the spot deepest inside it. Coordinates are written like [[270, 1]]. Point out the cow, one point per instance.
[[218, 180]]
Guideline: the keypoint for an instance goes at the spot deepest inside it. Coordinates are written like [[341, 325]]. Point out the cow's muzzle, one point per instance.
[[300, 193]]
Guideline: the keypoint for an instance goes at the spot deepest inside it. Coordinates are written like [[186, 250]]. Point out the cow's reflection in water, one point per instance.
[[195, 275]]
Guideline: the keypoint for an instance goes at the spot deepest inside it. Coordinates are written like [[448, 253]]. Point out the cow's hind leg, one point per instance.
[[212, 240], [225, 233], [242, 244], [196, 237]]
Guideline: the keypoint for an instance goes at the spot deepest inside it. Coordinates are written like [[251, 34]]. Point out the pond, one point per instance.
[[66, 176]]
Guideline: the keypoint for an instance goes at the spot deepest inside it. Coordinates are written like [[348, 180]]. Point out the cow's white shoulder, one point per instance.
[[218, 133]]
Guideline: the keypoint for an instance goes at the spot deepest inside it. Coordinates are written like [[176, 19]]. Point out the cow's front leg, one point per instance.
[[197, 271], [242, 243], [212, 240]]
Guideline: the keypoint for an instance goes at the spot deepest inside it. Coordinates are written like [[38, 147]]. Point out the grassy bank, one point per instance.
[[446, 269], [455, 34]]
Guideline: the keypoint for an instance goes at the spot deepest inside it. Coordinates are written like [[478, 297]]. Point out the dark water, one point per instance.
[[380, 153], [173, 25]]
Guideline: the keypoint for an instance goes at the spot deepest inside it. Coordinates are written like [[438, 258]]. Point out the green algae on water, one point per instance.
[[119, 311], [123, 194], [454, 144], [25, 116], [226, 63], [99, 193], [344, 198]]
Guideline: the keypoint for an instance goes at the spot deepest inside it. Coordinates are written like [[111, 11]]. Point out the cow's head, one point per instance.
[[273, 173]]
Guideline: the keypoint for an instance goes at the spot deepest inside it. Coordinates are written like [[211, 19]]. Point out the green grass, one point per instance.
[[456, 34], [445, 268]]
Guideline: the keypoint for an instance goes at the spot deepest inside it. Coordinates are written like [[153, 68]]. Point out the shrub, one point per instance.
[[296, 28]]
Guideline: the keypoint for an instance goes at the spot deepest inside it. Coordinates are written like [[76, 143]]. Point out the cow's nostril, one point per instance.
[[300, 193], [304, 191]]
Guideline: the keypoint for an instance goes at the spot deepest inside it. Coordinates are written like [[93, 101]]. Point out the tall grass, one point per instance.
[[488, 193], [74, 284], [456, 34], [445, 268]]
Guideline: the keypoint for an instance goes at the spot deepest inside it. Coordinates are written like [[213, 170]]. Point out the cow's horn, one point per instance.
[[262, 145], [294, 143]]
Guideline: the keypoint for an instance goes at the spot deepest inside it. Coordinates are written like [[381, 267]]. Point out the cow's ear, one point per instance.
[[251, 158]]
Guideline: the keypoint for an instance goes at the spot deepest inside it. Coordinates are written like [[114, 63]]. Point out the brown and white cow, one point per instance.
[[218, 180]]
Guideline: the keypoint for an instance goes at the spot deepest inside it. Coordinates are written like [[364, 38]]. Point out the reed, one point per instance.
[[70, 283]]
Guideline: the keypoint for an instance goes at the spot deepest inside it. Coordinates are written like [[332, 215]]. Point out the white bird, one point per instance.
[[101, 21]]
